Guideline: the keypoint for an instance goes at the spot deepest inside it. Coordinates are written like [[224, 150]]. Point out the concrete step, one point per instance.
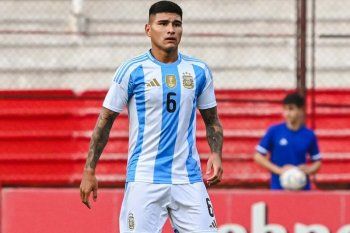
[[70, 51], [94, 57], [253, 16], [236, 141], [121, 10], [66, 169], [85, 119]]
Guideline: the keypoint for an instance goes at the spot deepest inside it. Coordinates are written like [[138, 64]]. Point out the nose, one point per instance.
[[170, 29]]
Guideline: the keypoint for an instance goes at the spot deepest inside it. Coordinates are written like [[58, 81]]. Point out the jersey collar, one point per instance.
[[153, 59]]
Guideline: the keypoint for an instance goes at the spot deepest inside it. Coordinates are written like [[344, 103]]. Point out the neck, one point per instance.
[[164, 56], [294, 125]]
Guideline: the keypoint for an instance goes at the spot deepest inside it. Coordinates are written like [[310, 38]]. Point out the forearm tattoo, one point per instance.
[[214, 129], [100, 137]]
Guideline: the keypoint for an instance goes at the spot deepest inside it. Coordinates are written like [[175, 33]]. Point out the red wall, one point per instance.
[[35, 210]]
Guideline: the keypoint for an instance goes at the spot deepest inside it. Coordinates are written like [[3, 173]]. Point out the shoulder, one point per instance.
[[129, 66], [194, 61], [135, 61], [309, 132], [276, 127]]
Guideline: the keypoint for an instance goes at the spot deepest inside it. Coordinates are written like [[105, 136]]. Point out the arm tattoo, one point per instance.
[[213, 128], [100, 137]]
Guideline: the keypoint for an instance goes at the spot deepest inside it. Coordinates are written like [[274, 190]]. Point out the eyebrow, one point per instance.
[[167, 21]]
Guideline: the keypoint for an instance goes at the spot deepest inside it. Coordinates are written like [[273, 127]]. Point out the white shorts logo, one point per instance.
[[131, 222]]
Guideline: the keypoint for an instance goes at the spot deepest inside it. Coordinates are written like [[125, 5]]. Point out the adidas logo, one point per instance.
[[153, 83], [213, 225]]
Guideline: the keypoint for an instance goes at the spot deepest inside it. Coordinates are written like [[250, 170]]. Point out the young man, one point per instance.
[[162, 89], [289, 143]]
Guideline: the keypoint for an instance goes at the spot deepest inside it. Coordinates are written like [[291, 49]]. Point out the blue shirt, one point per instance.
[[286, 146]]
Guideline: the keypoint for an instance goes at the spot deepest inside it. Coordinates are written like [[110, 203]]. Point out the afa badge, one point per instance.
[[187, 80], [170, 80], [131, 222]]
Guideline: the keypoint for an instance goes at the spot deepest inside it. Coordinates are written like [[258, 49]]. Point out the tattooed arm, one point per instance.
[[215, 141], [100, 137], [98, 141]]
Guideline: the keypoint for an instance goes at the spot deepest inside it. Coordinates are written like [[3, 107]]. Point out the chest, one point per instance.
[[169, 86], [290, 141]]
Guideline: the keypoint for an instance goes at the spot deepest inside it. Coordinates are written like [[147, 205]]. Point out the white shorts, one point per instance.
[[146, 207]]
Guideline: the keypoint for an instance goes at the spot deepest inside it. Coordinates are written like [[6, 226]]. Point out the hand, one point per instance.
[[88, 184], [214, 162], [304, 168], [285, 168]]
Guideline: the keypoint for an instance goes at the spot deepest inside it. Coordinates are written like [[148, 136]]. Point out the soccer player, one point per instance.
[[162, 89], [288, 144]]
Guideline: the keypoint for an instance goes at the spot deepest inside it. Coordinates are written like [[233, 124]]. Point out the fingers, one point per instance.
[[84, 196], [209, 166], [303, 168], [216, 177], [81, 194], [285, 168], [95, 194], [288, 166], [86, 200], [88, 184], [215, 174], [87, 203]]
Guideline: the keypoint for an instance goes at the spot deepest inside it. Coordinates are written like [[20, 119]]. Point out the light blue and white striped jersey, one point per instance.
[[162, 100]]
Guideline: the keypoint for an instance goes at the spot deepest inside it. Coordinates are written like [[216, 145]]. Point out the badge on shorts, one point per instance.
[[170, 80], [131, 222], [187, 80]]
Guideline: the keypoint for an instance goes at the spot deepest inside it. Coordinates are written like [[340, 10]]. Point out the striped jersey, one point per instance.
[[162, 99]]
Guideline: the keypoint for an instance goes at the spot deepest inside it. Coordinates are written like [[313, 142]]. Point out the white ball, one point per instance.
[[293, 179]]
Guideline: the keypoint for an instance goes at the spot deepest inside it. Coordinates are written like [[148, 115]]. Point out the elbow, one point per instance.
[[257, 157], [319, 165]]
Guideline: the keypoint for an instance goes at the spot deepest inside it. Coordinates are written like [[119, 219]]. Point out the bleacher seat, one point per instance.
[[44, 137]]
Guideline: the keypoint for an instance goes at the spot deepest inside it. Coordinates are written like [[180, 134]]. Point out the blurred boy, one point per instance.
[[289, 143]]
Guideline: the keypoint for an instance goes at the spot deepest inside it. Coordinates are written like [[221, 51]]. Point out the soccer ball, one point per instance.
[[293, 179]]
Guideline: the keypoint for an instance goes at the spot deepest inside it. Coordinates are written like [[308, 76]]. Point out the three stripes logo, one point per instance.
[[153, 83]]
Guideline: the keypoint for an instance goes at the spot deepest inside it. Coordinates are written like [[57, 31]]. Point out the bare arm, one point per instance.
[[100, 137], [312, 168], [266, 163], [215, 140], [98, 142]]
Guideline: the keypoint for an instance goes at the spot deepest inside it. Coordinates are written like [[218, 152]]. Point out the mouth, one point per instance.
[[170, 39]]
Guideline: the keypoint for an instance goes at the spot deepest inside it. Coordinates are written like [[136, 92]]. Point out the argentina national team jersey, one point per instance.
[[162, 101]]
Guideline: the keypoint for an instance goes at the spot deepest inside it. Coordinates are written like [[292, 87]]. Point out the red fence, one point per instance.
[[44, 137], [60, 210]]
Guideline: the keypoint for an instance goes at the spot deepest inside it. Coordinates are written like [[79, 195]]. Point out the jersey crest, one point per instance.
[[170, 80], [187, 80]]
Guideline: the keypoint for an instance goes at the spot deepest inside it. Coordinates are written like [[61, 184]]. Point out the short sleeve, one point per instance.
[[314, 151], [207, 98], [266, 143], [118, 94]]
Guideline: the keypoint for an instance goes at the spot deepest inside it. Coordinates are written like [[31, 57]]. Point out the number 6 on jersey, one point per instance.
[[170, 103]]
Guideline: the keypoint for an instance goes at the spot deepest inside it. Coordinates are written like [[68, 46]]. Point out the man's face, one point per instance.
[[165, 30], [292, 113]]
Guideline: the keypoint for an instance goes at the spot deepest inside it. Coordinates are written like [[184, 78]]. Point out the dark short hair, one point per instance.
[[165, 7], [294, 98]]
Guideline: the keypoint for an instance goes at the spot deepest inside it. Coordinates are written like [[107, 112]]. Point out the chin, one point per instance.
[[170, 48]]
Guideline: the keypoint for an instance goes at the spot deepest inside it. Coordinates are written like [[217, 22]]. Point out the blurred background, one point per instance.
[[58, 58]]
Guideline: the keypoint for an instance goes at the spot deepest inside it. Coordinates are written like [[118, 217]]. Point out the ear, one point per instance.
[[148, 29]]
